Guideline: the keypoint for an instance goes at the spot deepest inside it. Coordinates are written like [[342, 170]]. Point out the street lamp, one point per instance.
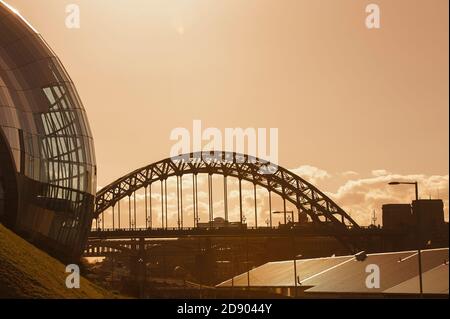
[[296, 281], [197, 220], [408, 183], [419, 253]]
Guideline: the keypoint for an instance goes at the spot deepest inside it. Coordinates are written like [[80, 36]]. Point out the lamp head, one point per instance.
[[361, 256]]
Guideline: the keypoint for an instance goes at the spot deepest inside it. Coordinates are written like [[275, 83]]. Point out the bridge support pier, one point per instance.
[[138, 266]]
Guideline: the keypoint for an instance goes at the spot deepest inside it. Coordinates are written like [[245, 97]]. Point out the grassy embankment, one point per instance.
[[27, 272]]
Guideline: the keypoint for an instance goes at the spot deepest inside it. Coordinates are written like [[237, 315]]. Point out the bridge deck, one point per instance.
[[233, 232]]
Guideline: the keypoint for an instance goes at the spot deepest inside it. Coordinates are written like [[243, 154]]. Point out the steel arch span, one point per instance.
[[307, 198]]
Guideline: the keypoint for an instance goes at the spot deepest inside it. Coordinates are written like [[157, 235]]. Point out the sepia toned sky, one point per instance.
[[355, 107]]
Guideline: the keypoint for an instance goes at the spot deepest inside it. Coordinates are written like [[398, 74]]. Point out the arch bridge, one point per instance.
[[312, 206]]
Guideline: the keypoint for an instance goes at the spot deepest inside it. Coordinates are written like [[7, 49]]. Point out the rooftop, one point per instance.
[[398, 274]]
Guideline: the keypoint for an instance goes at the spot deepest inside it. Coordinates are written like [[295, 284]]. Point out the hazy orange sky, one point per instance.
[[354, 107]]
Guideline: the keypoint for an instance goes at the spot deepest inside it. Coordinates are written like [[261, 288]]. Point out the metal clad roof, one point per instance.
[[351, 277], [395, 268], [398, 270], [281, 273], [434, 281]]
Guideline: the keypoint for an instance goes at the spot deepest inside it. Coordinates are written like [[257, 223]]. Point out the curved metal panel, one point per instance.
[[48, 135]]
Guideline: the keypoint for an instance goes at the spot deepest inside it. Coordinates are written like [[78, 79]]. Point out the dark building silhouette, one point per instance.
[[422, 219], [47, 161], [397, 216], [429, 215]]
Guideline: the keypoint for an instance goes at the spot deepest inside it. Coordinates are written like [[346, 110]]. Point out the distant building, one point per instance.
[[429, 214], [47, 160], [220, 222], [397, 216], [424, 219]]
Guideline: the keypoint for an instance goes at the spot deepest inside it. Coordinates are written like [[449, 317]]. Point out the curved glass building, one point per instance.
[[47, 160]]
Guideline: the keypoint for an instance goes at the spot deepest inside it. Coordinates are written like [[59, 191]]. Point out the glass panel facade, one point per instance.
[[45, 129]]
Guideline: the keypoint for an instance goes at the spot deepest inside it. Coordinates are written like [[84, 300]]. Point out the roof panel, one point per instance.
[[281, 273], [434, 281], [395, 268], [347, 275]]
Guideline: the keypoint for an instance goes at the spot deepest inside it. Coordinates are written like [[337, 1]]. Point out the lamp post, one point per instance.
[[295, 273], [197, 220], [419, 253]]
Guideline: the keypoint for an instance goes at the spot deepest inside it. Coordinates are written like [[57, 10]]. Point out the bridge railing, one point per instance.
[[143, 229]]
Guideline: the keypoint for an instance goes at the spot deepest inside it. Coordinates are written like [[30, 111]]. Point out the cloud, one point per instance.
[[360, 197], [311, 173], [380, 172], [349, 173]]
